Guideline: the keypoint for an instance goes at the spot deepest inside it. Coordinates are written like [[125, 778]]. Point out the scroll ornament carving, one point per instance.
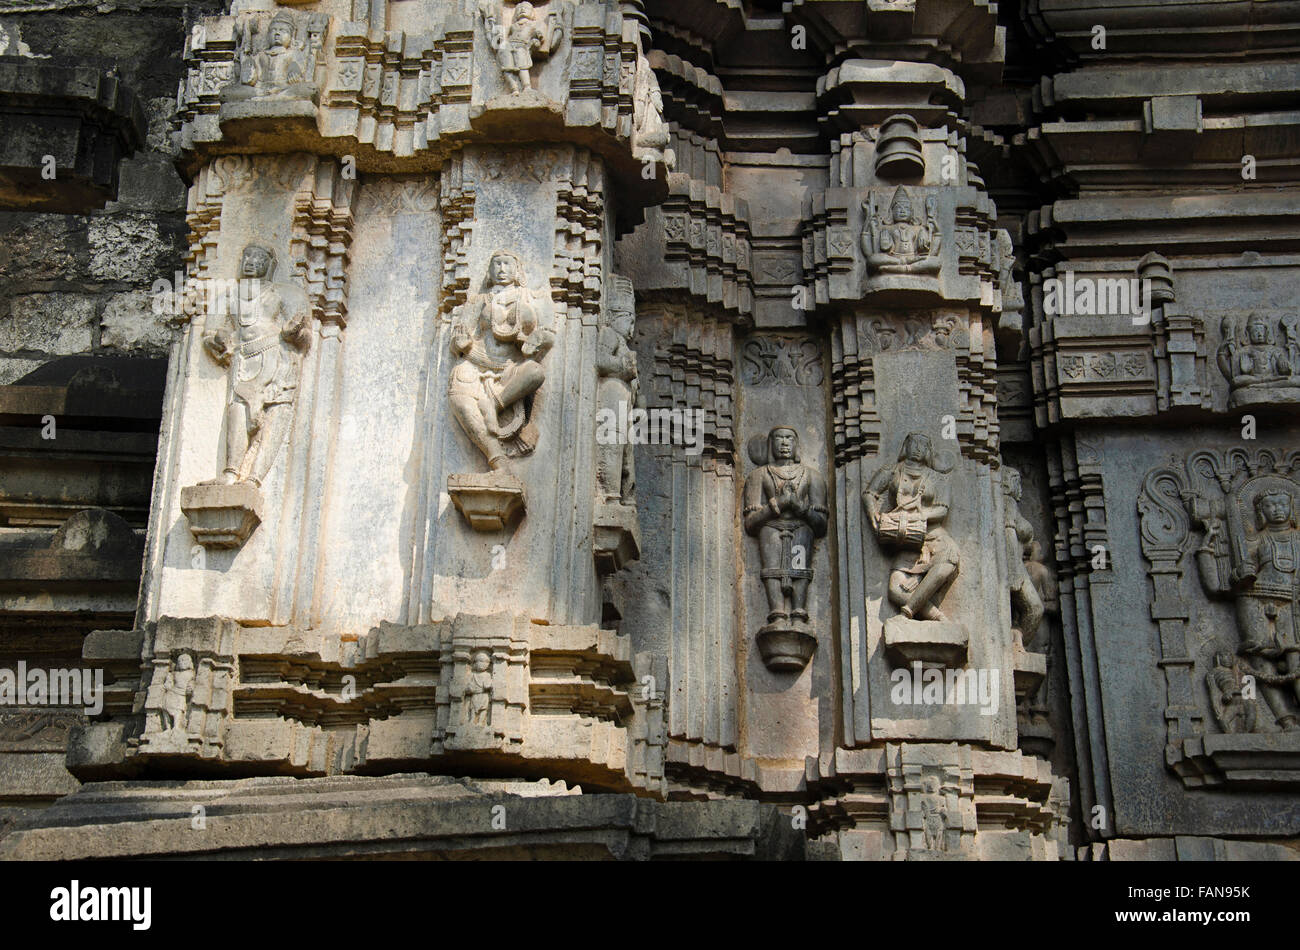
[[262, 348], [785, 510], [1261, 359], [898, 240], [769, 361], [924, 331], [518, 37]]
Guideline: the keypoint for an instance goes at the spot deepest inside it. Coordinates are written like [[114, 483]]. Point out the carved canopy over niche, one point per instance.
[[1233, 707]]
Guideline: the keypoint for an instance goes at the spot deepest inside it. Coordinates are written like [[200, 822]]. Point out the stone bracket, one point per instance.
[[222, 516]]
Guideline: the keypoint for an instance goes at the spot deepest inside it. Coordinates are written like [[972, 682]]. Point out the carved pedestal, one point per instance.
[[489, 502], [785, 648], [222, 516], [618, 537], [930, 641]]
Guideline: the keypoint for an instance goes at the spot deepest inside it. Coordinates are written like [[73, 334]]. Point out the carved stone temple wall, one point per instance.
[[814, 429]]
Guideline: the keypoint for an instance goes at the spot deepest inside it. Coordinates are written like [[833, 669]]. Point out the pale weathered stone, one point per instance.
[[55, 324], [1002, 310], [129, 324]]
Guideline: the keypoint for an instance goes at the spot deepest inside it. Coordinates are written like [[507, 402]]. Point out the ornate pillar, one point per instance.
[[381, 488]]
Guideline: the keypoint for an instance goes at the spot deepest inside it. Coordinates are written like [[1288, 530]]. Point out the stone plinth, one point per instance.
[[489, 502], [929, 641], [222, 516], [405, 815], [469, 692], [1029, 669], [618, 537], [786, 647]]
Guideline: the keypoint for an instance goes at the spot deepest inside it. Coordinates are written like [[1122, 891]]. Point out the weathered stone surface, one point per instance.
[[53, 324], [884, 409], [411, 816], [66, 131], [128, 324]]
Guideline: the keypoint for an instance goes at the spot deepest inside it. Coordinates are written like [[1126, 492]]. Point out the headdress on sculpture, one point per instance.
[[622, 295], [900, 208], [284, 19]]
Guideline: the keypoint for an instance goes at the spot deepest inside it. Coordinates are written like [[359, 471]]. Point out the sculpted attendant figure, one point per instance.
[[785, 508], [907, 505], [264, 352], [1261, 571], [616, 392], [167, 705], [516, 45], [478, 690], [501, 341], [1026, 603]]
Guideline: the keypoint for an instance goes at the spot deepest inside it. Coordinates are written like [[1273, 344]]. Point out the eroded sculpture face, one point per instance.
[[256, 262], [281, 34], [1274, 509], [916, 449], [504, 270], [783, 445]]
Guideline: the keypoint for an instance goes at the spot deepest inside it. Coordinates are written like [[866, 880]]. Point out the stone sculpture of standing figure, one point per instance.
[[264, 352], [478, 690], [167, 705], [1026, 603], [617, 392], [907, 504], [1259, 566], [785, 509], [516, 44]]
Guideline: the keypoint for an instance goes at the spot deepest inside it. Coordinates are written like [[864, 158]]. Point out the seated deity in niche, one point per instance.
[[283, 69], [1257, 365], [899, 241], [501, 338], [785, 509], [263, 349], [907, 504]]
